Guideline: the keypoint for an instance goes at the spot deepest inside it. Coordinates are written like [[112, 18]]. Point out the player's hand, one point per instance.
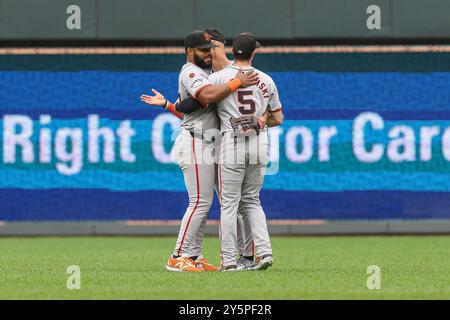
[[261, 122], [249, 79], [156, 100]]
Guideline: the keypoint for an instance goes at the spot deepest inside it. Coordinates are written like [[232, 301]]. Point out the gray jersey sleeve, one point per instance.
[[274, 99], [194, 80]]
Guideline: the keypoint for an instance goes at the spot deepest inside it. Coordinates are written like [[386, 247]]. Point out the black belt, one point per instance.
[[231, 133], [201, 136], [197, 135], [236, 133]]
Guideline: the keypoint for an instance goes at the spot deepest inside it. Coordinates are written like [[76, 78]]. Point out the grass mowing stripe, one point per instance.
[[305, 268]]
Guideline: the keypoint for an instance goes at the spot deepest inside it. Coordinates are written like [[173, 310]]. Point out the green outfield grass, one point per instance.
[[305, 268]]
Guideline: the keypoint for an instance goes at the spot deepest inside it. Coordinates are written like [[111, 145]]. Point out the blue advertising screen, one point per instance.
[[365, 136]]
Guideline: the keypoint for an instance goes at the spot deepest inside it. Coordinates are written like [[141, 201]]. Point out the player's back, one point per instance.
[[253, 100]]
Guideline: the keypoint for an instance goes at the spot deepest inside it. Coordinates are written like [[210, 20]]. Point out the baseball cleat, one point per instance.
[[244, 264], [229, 268], [262, 263], [203, 264], [182, 264]]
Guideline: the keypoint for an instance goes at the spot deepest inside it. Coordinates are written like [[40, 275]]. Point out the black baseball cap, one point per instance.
[[244, 44], [216, 35], [198, 39]]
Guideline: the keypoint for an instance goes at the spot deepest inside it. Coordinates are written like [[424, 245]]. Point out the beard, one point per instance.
[[199, 62]]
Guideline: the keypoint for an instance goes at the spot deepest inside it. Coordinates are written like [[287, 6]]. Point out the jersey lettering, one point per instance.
[[248, 106]]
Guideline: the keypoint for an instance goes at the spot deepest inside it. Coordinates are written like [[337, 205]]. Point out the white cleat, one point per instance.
[[231, 268], [244, 264], [263, 263]]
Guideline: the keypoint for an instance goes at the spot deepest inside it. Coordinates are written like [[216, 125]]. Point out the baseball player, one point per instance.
[[244, 153], [195, 141], [245, 242], [245, 245]]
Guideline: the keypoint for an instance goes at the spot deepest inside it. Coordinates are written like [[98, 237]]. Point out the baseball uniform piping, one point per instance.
[[220, 200], [198, 197]]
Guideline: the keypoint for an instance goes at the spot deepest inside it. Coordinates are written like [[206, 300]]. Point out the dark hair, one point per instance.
[[244, 44], [216, 35], [242, 56]]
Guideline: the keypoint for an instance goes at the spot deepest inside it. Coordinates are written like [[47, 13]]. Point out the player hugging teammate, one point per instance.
[[231, 160]]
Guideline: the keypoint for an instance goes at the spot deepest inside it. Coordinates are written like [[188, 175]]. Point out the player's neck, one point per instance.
[[242, 63], [220, 62]]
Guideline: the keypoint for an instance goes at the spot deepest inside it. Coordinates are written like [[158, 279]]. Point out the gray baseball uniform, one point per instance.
[[194, 151], [191, 153], [245, 245], [243, 161]]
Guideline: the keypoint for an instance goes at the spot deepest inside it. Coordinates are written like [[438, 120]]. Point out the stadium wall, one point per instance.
[[153, 20], [388, 159]]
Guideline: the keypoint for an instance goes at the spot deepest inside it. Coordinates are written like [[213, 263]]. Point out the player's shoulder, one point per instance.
[[191, 70], [221, 74], [263, 76]]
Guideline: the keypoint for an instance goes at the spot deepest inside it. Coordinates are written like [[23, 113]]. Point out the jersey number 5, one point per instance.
[[248, 104]]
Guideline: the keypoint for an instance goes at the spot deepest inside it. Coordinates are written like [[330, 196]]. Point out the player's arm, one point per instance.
[[274, 114], [159, 100], [188, 105], [275, 118], [215, 93], [271, 120]]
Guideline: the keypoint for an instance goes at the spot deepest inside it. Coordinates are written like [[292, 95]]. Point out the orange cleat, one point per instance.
[[202, 263], [182, 264]]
